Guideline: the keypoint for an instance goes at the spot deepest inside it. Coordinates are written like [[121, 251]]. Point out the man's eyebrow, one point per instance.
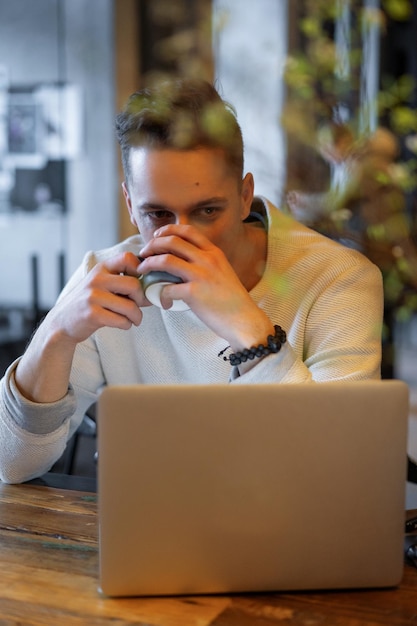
[[155, 206], [152, 206], [210, 201]]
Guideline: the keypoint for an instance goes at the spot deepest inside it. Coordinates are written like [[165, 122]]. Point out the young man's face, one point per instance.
[[193, 187]]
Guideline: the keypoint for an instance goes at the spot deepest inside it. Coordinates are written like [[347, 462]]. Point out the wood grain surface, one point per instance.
[[48, 576]]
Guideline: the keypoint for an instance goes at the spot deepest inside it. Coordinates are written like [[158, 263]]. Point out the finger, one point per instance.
[[168, 263], [97, 310], [118, 308], [124, 285], [169, 293], [125, 263], [102, 278], [178, 233], [169, 245], [112, 319]]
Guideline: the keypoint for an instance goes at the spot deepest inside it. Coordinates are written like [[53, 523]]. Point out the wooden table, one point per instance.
[[48, 577]]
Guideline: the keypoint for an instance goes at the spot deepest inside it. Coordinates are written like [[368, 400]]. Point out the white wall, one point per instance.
[[31, 32], [92, 179], [249, 50], [250, 44]]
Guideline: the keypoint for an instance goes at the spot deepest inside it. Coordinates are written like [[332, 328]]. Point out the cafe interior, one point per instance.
[[74, 64], [67, 67]]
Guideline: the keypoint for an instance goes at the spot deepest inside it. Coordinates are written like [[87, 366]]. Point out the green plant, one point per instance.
[[372, 136]]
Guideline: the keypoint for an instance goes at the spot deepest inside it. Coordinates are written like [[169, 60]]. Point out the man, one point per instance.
[[248, 271]]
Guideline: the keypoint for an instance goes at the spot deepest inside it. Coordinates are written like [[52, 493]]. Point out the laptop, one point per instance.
[[233, 488]]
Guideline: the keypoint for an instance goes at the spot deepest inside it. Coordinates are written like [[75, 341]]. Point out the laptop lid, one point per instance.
[[234, 488]]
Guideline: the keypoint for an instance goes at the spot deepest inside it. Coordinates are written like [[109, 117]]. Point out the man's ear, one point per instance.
[[128, 203], [247, 193]]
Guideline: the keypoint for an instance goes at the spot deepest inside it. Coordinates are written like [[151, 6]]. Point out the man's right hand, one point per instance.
[[109, 295]]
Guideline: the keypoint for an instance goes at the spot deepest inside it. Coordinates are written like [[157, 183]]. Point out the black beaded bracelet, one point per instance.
[[274, 344]]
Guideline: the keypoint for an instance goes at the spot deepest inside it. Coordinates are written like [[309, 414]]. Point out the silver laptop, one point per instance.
[[232, 488]]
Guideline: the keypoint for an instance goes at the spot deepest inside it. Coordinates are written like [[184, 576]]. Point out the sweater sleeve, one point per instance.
[[32, 435], [342, 335]]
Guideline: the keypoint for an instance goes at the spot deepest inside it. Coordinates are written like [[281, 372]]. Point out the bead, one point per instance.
[[273, 345]]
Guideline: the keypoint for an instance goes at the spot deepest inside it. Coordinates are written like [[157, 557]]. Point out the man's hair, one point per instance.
[[182, 114]]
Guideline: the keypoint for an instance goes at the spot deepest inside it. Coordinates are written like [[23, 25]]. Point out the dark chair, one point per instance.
[[411, 471], [87, 428]]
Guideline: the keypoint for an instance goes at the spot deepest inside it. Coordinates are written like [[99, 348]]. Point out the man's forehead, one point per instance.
[[144, 152], [203, 162]]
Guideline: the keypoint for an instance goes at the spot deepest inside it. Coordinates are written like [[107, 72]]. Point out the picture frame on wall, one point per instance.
[[25, 131], [44, 123]]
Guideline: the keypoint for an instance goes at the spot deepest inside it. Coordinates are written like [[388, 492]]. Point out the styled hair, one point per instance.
[[182, 114]]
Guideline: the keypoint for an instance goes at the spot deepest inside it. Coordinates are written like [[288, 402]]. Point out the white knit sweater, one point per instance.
[[327, 297]]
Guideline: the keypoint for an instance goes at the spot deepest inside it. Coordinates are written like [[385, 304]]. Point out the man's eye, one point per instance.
[[208, 211], [159, 215]]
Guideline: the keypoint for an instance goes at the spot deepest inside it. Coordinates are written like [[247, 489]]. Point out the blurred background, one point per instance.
[[325, 92]]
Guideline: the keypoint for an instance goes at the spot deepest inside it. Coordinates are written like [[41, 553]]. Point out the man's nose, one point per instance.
[[182, 220]]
